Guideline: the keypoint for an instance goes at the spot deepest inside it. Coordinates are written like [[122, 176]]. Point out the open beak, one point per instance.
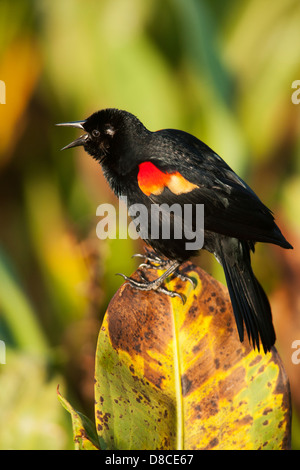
[[81, 140]]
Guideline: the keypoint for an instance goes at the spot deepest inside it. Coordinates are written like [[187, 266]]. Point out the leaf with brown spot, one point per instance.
[[174, 376]]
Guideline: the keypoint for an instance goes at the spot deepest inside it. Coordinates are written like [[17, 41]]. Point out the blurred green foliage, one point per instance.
[[220, 70]]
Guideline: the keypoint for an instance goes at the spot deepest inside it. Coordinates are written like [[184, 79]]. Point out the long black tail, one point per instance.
[[250, 304]]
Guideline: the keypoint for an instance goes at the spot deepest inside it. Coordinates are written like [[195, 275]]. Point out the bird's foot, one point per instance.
[[150, 285], [155, 285], [152, 261]]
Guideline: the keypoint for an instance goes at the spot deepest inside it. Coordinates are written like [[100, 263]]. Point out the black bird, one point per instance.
[[173, 167]]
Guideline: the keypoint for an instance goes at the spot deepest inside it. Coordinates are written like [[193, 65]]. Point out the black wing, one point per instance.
[[231, 207]]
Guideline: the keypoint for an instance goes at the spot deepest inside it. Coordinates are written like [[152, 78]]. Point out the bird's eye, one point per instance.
[[95, 133]]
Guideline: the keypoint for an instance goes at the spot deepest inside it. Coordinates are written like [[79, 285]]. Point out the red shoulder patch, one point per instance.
[[151, 180]]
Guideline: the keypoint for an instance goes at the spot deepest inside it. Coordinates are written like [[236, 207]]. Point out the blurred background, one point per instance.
[[220, 70]]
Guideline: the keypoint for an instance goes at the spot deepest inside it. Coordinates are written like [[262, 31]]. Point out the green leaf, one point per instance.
[[84, 434]]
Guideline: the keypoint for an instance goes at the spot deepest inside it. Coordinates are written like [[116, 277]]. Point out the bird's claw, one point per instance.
[[184, 278], [150, 285]]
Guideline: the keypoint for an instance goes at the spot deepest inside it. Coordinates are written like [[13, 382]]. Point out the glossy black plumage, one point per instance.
[[234, 217]]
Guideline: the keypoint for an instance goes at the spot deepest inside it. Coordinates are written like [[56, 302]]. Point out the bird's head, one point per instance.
[[109, 135]]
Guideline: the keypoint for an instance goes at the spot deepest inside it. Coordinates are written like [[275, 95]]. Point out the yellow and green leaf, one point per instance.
[[174, 376]]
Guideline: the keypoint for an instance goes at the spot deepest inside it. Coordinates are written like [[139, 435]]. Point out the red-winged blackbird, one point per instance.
[[173, 167]]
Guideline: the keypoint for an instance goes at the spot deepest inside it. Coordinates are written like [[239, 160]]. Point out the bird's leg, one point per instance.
[[157, 283], [157, 263], [153, 261]]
